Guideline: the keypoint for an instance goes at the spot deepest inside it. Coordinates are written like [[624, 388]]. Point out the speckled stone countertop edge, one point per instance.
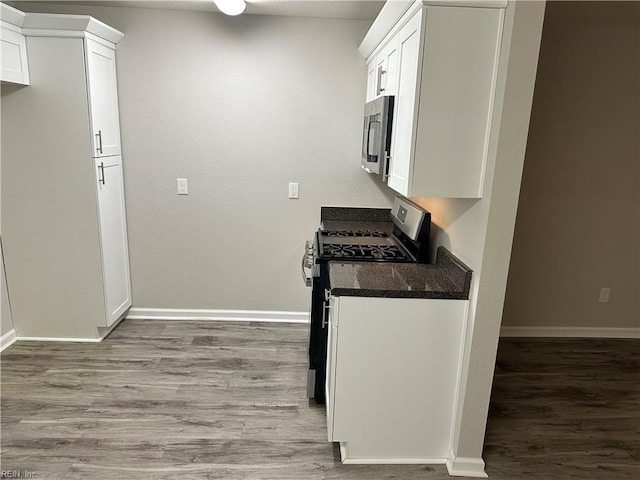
[[350, 292], [447, 271]]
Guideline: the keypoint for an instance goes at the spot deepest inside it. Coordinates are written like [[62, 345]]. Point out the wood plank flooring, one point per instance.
[[207, 400]]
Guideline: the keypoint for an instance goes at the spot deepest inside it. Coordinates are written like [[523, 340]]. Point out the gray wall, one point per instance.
[[577, 227], [240, 107]]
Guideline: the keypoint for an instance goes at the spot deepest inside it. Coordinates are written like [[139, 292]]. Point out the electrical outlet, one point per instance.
[[293, 190], [605, 293], [183, 187]]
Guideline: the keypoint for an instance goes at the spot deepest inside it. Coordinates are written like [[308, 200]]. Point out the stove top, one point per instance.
[[351, 233], [360, 245], [362, 252]]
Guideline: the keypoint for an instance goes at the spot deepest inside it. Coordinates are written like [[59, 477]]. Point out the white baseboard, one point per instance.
[[8, 339], [465, 466], [346, 459], [578, 332], [60, 339], [217, 315], [394, 461]]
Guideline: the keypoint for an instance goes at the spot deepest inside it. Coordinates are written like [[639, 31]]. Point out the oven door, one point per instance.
[[318, 336]]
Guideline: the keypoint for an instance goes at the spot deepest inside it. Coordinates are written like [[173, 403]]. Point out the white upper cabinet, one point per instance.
[[103, 98], [447, 59], [382, 71], [14, 67]]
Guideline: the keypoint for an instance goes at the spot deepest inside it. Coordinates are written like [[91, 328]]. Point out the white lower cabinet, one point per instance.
[[393, 367], [113, 237]]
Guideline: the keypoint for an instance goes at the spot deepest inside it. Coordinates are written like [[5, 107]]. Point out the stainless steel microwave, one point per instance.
[[376, 135]]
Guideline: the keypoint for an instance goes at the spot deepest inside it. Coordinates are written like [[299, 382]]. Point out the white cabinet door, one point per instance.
[[113, 237], [13, 57], [332, 351], [371, 80], [387, 68], [103, 99], [402, 141], [393, 368], [458, 85]]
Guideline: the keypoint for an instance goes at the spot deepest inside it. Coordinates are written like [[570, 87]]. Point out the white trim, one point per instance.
[[11, 15], [344, 457], [578, 332], [53, 24], [60, 339], [392, 14], [458, 388], [389, 16], [465, 466], [217, 315], [394, 461], [9, 26], [8, 339]]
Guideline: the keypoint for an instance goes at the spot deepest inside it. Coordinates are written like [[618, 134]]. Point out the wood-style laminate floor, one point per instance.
[[204, 400]]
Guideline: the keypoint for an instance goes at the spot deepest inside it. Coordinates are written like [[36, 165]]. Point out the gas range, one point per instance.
[[361, 246], [406, 240]]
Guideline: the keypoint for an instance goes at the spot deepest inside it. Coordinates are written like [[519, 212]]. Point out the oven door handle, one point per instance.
[[307, 280]]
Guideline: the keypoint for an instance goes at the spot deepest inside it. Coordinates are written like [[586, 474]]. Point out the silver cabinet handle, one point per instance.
[[380, 73], [99, 135], [101, 167], [101, 174]]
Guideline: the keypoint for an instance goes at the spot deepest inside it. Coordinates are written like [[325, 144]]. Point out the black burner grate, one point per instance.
[[352, 233], [364, 252]]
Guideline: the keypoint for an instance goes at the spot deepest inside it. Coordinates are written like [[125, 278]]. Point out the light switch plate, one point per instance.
[[183, 187], [293, 190]]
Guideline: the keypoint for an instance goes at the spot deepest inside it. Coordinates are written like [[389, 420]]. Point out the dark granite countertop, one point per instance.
[[356, 219], [448, 278]]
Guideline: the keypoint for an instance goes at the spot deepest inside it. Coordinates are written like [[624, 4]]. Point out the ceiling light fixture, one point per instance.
[[231, 7]]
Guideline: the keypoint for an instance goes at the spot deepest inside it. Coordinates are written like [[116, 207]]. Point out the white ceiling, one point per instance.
[[358, 9]]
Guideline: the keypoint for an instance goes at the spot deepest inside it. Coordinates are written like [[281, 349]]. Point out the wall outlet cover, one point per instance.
[[605, 293]]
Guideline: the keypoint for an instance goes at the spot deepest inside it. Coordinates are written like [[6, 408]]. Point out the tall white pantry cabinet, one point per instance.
[[63, 210]]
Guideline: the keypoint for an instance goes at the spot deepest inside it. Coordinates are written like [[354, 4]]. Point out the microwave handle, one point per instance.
[[369, 153]]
